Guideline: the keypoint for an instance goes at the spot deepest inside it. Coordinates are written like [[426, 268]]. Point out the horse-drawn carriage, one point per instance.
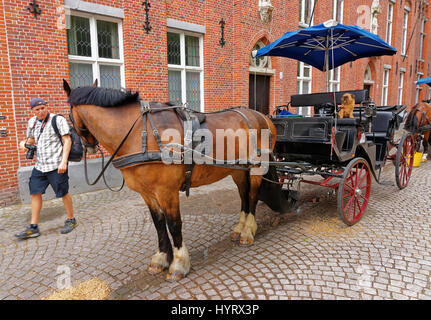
[[347, 150], [345, 153]]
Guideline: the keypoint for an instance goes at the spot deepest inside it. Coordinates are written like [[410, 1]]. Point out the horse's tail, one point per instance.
[[411, 123]]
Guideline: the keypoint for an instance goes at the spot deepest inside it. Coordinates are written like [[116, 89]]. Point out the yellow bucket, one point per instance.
[[417, 159]]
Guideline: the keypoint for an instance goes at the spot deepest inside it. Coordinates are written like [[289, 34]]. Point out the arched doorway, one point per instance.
[[259, 81], [368, 80]]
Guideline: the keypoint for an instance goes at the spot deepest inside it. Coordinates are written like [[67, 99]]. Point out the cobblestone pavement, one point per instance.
[[308, 254]]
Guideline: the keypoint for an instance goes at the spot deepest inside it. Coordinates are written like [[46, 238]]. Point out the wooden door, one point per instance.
[[259, 93]]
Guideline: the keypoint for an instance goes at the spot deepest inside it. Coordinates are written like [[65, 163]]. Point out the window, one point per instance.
[[260, 64], [337, 12], [422, 39], [400, 87], [368, 80], [334, 79], [404, 35], [95, 51], [305, 12], [389, 23], [185, 71], [304, 84], [385, 87], [418, 88]]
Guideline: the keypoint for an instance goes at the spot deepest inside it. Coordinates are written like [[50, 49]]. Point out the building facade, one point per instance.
[[196, 52]]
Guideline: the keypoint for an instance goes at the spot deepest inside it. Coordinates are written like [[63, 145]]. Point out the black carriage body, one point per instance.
[[345, 153], [309, 138]]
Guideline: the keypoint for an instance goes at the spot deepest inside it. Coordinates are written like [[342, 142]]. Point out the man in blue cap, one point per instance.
[[51, 164]]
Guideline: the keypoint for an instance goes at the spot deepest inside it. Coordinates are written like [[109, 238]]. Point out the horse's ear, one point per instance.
[[95, 83], [66, 87]]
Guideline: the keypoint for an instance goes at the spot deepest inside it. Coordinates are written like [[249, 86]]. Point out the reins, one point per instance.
[[109, 161]]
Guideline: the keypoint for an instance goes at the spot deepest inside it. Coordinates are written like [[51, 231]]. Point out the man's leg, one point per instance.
[[68, 205], [32, 230], [70, 223], [37, 185], [36, 206]]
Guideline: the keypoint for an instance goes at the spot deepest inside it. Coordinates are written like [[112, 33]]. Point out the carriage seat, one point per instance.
[[348, 122], [381, 125]]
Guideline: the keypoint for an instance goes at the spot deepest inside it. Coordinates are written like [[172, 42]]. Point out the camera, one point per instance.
[[30, 152]]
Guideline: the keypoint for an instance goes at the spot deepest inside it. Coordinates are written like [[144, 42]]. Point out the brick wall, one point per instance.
[[33, 58]]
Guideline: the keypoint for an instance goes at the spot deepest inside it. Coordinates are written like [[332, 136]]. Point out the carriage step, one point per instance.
[[387, 183]]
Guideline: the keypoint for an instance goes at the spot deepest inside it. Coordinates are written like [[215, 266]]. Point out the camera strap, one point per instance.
[[43, 126]]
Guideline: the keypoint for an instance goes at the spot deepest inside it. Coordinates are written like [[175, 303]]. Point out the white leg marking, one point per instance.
[[251, 223], [160, 259], [181, 263], [249, 230], [241, 223]]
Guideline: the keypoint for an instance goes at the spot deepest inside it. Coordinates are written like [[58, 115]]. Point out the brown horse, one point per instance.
[[106, 115], [419, 121]]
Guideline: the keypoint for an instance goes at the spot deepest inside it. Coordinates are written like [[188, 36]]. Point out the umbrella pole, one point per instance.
[[327, 63]]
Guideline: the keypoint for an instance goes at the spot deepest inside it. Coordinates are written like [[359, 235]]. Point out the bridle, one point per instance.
[[84, 141], [96, 145]]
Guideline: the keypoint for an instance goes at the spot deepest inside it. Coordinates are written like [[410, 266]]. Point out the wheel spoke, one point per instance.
[[359, 206], [402, 173], [363, 198], [349, 202], [348, 194], [350, 208], [360, 173], [354, 208], [351, 188], [362, 180]]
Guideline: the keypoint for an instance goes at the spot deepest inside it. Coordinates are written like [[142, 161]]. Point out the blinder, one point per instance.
[[85, 143]]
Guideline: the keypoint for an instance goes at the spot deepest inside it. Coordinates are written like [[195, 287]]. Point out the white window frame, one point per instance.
[[418, 88], [335, 13], [389, 24], [305, 111], [400, 87], [404, 34], [422, 39], [385, 86], [302, 22], [183, 68], [334, 81], [95, 60]]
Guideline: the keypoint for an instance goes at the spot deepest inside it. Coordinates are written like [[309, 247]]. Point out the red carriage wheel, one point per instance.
[[404, 160], [354, 191]]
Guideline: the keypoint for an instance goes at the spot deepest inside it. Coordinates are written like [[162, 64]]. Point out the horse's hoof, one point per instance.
[[246, 242], [235, 236], [152, 269], [174, 277]]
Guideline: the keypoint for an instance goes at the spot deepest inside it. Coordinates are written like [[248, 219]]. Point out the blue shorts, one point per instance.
[[39, 181]]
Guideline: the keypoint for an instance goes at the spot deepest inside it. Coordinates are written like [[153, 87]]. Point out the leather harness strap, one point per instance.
[[190, 124]]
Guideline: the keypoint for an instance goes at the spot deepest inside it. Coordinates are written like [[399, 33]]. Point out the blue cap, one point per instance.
[[36, 102]]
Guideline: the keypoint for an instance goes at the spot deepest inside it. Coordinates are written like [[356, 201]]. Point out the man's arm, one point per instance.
[[67, 144]]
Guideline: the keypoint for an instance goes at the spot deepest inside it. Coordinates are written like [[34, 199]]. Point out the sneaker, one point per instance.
[[29, 232], [69, 225]]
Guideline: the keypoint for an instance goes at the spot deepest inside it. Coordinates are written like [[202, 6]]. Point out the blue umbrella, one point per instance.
[[327, 45], [424, 81]]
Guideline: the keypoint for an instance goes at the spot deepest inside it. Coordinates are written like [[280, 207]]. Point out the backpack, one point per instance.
[[76, 150]]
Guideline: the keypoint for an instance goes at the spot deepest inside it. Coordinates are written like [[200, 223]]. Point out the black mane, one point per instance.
[[103, 97]]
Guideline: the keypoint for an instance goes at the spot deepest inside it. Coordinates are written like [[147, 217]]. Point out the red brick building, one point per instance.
[[180, 55]]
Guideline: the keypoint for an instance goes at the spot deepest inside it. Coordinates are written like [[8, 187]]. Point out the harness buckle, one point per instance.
[[145, 106]]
